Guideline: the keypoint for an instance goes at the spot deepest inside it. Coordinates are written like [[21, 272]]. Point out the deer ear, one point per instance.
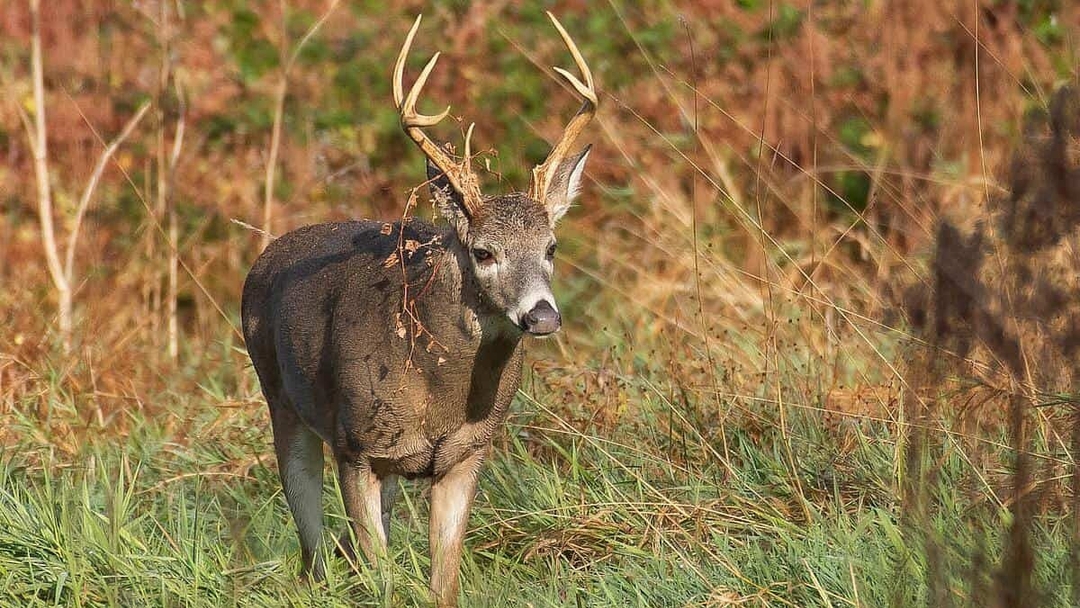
[[565, 185], [448, 201]]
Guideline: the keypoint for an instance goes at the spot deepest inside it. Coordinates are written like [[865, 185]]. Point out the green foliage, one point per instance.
[[1041, 16], [852, 192], [847, 76], [254, 54], [851, 188], [1048, 30], [785, 24]]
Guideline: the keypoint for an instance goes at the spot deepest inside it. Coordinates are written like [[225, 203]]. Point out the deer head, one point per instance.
[[508, 239]]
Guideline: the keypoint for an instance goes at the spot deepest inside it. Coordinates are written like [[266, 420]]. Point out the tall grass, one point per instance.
[[564, 518]]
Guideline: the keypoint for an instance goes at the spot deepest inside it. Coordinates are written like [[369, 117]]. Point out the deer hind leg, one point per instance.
[[451, 499], [300, 463], [361, 491]]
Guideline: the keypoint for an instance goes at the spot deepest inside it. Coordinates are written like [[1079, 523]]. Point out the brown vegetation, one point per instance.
[[1001, 323]]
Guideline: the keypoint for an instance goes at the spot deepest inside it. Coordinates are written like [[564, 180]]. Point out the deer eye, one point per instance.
[[481, 255], [551, 251]]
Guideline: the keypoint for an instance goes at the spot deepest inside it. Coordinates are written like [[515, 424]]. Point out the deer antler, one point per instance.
[[460, 175], [544, 172]]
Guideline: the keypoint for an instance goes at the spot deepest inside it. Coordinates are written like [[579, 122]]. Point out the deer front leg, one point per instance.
[[390, 490], [451, 499], [362, 495]]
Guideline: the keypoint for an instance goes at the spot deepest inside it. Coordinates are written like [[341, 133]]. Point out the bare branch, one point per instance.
[[164, 179], [27, 125], [309, 33], [181, 122], [279, 114], [91, 186], [255, 229], [39, 146], [271, 161]]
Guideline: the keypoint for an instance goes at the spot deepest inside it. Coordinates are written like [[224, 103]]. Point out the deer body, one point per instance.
[[321, 315], [412, 403], [400, 344]]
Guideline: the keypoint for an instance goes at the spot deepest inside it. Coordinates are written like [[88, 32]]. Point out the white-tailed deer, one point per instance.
[[400, 344]]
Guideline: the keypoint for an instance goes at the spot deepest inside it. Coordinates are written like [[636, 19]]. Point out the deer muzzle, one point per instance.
[[542, 320]]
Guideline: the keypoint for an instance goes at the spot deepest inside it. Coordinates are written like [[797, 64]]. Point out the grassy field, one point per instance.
[[183, 508], [648, 512], [819, 345]]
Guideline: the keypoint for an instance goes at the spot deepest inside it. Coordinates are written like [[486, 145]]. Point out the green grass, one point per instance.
[[641, 514]]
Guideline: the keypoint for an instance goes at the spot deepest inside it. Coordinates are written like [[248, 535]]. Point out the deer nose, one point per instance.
[[542, 319]]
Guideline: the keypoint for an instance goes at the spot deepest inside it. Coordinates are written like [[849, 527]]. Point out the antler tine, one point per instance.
[[399, 65], [544, 172], [468, 142], [586, 90], [409, 108], [459, 174]]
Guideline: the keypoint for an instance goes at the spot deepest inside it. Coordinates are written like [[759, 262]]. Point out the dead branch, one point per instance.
[[39, 147], [279, 113], [91, 186]]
